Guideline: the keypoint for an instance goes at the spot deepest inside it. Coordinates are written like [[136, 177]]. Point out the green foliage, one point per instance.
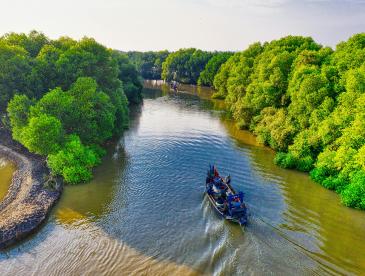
[[18, 113], [234, 75], [220, 79], [274, 129], [87, 58], [43, 127], [56, 103], [95, 109], [354, 194], [128, 74], [54, 89], [211, 68], [44, 74], [33, 64], [307, 102], [120, 103], [289, 161], [149, 64], [218, 95], [74, 162], [285, 160], [32, 43], [348, 55], [305, 164], [15, 71], [185, 65], [269, 79], [82, 103], [43, 135]]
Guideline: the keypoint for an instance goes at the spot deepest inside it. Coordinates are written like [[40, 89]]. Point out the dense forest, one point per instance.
[[64, 98], [308, 103], [189, 66], [304, 100], [148, 64]]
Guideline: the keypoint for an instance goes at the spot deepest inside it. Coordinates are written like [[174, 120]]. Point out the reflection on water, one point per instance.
[[145, 213], [6, 171], [91, 200]]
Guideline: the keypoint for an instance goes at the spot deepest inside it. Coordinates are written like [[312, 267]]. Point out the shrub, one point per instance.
[[43, 135], [305, 164], [354, 194], [285, 160], [319, 174], [74, 162], [18, 114]]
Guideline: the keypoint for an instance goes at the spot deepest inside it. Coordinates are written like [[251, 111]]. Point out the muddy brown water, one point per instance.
[[6, 172], [144, 213]]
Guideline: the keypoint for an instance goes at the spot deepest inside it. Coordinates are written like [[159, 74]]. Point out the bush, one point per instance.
[[306, 101], [319, 174], [65, 88], [305, 164], [74, 162], [354, 194], [211, 68], [285, 160], [18, 114], [43, 135], [185, 65], [330, 183], [218, 96]]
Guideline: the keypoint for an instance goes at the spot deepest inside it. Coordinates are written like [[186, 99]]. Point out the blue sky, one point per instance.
[[172, 24]]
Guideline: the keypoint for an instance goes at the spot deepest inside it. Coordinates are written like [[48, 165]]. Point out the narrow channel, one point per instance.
[[145, 210]]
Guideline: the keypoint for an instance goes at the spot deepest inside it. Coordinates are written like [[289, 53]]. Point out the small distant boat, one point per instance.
[[224, 198]]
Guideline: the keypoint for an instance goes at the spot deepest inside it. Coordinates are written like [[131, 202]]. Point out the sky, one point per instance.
[[172, 24]]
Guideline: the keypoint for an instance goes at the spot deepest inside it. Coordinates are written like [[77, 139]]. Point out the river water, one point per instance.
[[145, 214], [6, 171]]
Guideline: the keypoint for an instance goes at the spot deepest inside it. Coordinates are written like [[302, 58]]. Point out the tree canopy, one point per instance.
[[185, 65], [304, 100], [64, 98], [206, 77], [307, 102], [148, 64], [34, 64]]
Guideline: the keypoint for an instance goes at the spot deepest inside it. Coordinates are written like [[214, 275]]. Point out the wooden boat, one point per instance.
[[225, 200]]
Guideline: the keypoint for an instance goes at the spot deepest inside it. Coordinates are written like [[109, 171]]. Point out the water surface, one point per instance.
[[6, 172], [145, 213]]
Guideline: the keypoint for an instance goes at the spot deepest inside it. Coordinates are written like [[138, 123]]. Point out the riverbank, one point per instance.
[[93, 227], [30, 196], [350, 195]]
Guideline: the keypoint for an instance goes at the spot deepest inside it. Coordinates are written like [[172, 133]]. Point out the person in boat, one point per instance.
[[236, 203], [218, 180], [219, 183]]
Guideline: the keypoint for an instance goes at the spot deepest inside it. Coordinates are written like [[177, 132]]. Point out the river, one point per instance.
[[144, 212], [6, 171]]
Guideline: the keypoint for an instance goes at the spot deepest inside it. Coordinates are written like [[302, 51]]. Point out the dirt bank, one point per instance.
[[29, 199]]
